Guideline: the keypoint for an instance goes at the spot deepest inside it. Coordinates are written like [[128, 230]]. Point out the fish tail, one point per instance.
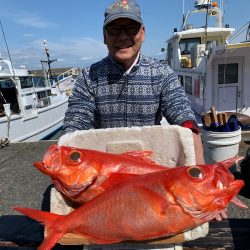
[[51, 222], [50, 241]]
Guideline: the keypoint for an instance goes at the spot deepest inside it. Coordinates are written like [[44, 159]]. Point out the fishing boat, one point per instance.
[[213, 70], [29, 111]]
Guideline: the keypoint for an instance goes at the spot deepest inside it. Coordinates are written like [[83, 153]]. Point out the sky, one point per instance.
[[73, 30]]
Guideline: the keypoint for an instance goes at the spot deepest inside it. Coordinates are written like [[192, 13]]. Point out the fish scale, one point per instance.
[[82, 174], [140, 208]]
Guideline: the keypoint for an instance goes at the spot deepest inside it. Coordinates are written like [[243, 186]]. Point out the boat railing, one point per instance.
[[245, 29], [73, 72]]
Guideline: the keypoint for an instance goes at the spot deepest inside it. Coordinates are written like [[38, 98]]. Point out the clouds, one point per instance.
[[74, 37], [28, 23], [74, 30], [77, 52], [35, 22]]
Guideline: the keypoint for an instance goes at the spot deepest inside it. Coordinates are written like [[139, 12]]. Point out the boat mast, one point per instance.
[[222, 10], [48, 61], [183, 12]]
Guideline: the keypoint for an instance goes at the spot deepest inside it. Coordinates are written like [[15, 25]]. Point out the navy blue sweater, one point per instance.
[[105, 96]]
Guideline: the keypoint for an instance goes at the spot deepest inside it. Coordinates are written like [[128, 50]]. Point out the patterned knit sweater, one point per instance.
[[105, 96]]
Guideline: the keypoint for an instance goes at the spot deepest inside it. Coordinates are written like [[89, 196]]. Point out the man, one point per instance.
[[127, 88]]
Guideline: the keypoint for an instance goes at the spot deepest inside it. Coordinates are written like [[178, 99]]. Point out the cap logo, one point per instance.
[[121, 4]]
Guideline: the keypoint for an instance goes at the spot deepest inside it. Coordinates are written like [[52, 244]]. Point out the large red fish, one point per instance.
[[82, 174], [146, 207]]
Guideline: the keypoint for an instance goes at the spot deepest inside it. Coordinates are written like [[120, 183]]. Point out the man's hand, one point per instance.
[[198, 149]]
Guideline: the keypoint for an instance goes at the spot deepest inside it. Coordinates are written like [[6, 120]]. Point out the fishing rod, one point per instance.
[[7, 47]]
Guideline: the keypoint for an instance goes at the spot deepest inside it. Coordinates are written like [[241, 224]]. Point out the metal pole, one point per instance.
[[7, 47]]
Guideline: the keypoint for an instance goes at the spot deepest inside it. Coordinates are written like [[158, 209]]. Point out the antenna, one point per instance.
[[49, 61], [222, 10], [6, 44], [183, 11]]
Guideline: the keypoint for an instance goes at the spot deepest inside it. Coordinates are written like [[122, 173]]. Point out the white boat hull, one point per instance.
[[34, 126]]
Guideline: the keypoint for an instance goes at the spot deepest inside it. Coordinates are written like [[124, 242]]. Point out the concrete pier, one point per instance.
[[21, 184]]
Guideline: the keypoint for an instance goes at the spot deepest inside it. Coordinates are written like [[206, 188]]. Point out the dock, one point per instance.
[[21, 184]]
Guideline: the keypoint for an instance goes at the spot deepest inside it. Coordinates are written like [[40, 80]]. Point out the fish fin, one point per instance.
[[230, 162], [158, 201], [50, 221], [144, 155], [37, 215], [110, 182], [50, 241], [117, 178], [239, 203]]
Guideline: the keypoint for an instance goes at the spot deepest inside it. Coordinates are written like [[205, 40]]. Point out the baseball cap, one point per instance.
[[122, 9]]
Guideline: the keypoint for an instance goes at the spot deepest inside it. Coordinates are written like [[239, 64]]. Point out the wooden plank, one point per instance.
[[213, 115], [73, 239], [206, 119], [220, 119], [224, 118]]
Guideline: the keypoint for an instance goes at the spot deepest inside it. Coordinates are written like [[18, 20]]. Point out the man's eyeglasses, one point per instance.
[[131, 30]]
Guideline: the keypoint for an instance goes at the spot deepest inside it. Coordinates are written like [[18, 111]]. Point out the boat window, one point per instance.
[[188, 85], [6, 83], [170, 52], [26, 82], [43, 94], [38, 81], [180, 77], [187, 44], [211, 44], [44, 98], [8, 94], [228, 73]]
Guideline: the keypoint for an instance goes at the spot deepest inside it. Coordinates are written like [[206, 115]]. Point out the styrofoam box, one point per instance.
[[171, 146]]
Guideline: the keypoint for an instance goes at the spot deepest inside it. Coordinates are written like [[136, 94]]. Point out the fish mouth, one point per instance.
[[44, 168], [223, 194], [69, 190], [229, 192], [41, 167], [225, 182], [220, 189]]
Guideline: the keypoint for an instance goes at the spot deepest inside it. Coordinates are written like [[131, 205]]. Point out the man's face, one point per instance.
[[123, 38]]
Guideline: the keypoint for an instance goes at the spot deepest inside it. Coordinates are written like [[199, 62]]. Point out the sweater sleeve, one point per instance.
[[80, 112], [175, 104]]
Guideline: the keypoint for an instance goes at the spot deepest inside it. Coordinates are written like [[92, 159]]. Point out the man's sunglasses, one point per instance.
[[116, 30]]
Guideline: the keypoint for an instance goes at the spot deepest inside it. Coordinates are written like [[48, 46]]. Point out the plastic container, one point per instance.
[[7, 110], [219, 146]]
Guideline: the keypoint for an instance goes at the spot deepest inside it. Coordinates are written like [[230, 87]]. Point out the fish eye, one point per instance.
[[75, 156], [195, 172]]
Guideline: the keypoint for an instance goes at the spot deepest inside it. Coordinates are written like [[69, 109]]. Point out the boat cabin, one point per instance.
[[213, 71], [17, 89]]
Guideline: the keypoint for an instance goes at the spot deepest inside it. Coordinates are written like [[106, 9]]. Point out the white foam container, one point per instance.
[[171, 146]]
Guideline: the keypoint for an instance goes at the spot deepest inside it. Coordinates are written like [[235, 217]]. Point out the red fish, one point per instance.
[[82, 174], [146, 207]]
